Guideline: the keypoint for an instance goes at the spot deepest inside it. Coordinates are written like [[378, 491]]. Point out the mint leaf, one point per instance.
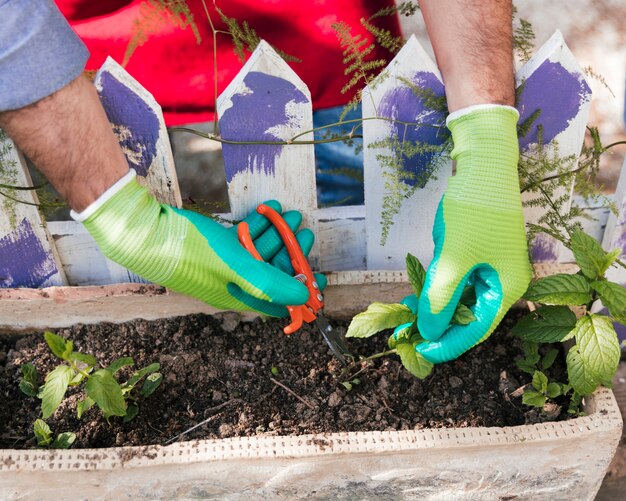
[[378, 317], [413, 362], [613, 297], [589, 254], [549, 358], [581, 376], [106, 392], [131, 413], [416, 272], [137, 375], [58, 345], [534, 398], [64, 440], [54, 389], [116, 365], [83, 406], [611, 257], [29, 384], [462, 315], [598, 346], [554, 390], [547, 324], [151, 383], [560, 289], [42, 432], [526, 366], [88, 360], [540, 382]]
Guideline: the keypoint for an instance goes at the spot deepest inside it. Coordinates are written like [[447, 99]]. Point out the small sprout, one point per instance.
[[275, 371]]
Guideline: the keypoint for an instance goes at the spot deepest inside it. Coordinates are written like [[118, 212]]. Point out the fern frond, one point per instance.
[[153, 15]]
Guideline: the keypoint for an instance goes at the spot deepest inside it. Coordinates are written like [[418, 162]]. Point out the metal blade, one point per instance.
[[333, 339]]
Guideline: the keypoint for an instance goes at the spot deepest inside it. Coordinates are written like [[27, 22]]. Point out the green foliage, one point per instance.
[[45, 438], [101, 386], [380, 316], [153, 16], [523, 37], [594, 357], [245, 38]]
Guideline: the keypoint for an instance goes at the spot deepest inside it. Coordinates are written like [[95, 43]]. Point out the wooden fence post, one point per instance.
[[28, 256], [268, 102], [552, 87], [392, 98]]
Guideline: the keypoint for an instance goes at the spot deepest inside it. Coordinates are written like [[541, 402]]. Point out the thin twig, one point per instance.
[[207, 420], [291, 392]]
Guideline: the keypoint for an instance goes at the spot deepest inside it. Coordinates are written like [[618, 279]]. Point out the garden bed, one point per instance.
[[278, 422]]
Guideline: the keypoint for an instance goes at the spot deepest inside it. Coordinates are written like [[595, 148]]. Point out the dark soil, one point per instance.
[[242, 379]]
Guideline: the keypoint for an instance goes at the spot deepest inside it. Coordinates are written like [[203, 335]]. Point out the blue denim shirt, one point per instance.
[[39, 52]]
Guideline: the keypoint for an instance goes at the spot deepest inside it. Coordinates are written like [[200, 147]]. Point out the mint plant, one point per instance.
[[594, 355], [101, 386], [381, 316], [45, 437]]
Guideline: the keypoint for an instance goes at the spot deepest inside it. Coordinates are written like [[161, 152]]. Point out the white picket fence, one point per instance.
[[268, 102]]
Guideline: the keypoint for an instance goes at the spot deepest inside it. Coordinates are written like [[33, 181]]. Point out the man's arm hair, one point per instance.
[[473, 43]]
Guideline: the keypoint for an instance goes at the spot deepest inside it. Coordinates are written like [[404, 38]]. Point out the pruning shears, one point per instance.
[[311, 311]]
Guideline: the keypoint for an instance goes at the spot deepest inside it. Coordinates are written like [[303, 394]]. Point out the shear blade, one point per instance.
[[333, 339]]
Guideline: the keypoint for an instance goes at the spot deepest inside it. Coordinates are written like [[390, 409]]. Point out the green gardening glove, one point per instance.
[[195, 255], [478, 232]]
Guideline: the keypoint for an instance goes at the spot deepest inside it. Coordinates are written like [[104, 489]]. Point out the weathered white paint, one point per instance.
[[341, 235], [256, 173], [411, 231], [141, 131], [28, 256], [553, 69], [615, 233]]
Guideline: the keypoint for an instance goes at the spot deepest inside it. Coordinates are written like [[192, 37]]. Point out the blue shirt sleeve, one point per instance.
[[39, 52]]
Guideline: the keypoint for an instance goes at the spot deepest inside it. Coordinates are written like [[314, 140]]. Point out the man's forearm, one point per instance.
[[473, 44], [69, 139]]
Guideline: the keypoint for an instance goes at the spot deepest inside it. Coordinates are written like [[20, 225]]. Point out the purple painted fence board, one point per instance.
[[552, 87], [267, 101], [27, 254], [137, 121], [391, 97]]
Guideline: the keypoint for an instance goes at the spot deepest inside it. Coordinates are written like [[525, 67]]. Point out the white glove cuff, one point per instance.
[[475, 107], [105, 197]]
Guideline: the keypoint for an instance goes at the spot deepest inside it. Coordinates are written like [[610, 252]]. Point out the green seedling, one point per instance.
[[101, 386], [594, 355], [45, 438], [381, 316]]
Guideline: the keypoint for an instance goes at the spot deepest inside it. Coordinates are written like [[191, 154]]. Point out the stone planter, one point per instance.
[[564, 460]]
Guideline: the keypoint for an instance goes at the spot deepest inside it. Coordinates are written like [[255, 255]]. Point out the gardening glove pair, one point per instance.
[[479, 235], [195, 255]]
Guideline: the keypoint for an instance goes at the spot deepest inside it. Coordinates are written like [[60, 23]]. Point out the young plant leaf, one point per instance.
[[378, 317], [83, 406], [540, 382], [413, 362], [116, 365], [534, 398], [151, 383], [526, 366], [613, 297], [54, 389], [137, 375], [29, 383], [463, 315], [106, 392], [64, 440], [416, 272], [581, 377], [42, 432], [589, 254], [131, 413], [549, 358], [560, 289], [554, 390], [547, 324], [88, 360], [598, 346], [58, 345]]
